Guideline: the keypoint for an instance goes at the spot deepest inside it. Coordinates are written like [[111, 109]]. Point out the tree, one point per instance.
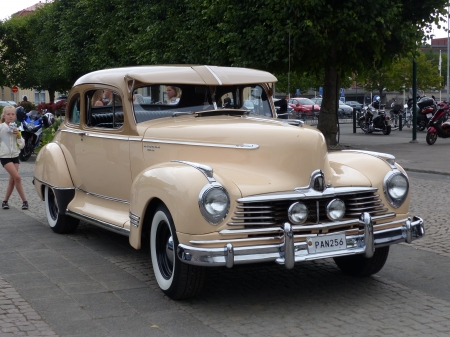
[[29, 52]]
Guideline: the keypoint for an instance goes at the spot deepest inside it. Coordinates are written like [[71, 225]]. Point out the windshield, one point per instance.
[[158, 100]]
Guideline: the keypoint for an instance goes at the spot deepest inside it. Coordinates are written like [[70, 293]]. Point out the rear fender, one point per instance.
[[51, 168]]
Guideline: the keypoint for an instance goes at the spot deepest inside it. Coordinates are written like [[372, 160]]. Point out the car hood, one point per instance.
[[259, 155]]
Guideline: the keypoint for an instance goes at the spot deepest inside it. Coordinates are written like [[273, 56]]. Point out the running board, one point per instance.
[[99, 223]]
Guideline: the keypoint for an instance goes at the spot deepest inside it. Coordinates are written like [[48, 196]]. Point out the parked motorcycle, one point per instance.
[[374, 119], [31, 127], [438, 127], [397, 110], [427, 108]]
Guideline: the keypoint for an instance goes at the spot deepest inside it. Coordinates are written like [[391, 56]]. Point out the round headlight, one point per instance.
[[396, 187], [214, 203], [298, 213], [335, 209]]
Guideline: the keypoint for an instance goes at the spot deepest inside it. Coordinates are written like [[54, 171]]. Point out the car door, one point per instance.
[[98, 144]]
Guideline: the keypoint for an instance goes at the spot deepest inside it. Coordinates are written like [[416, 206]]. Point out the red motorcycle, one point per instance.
[[438, 126]]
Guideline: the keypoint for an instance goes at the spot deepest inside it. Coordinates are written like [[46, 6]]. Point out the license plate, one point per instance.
[[389, 122], [326, 243], [429, 115]]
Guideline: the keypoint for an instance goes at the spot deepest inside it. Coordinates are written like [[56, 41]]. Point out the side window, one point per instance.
[[104, 109], [256, 101], [74, 110]]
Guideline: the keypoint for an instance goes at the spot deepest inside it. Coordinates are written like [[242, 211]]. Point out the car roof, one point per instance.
[[178, 74]]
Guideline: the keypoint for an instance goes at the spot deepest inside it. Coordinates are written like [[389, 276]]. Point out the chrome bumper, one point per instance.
[[289, 252]]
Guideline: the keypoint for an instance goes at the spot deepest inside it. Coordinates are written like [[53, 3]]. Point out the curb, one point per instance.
[[426, 171]]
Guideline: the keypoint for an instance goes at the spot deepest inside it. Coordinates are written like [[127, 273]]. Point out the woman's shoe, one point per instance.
[[5, 205], [25, 205]]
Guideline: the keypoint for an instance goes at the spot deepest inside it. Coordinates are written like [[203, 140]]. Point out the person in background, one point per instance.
[[97, 98], [11, 142], [227, 102], [173, 94]]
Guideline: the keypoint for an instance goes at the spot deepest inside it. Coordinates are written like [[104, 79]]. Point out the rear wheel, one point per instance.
[[59, 222], [176, 279], [387, 130], [431, 138], [358, 265], [421, 125]]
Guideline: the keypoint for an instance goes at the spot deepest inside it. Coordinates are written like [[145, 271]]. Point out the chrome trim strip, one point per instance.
[[214, 74], [329, 192], [98, 135], [202, 242], [81, 133], [231, 146], [52, 186], [99, 223], [134, 219], [267, 230], [356, 244], [135, 139], [388, 158], [103, 196], [205, 169]]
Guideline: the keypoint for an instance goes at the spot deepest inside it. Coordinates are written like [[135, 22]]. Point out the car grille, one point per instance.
[[258, 219]]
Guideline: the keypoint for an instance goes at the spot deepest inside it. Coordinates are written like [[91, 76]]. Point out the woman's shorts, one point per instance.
[[5, 161]]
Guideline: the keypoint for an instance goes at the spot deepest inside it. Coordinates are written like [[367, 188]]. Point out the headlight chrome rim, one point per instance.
[[208, 212], [395, 201], [330, 210], [291, 214]]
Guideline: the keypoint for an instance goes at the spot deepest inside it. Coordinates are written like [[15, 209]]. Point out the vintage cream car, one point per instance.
[[171, 155]]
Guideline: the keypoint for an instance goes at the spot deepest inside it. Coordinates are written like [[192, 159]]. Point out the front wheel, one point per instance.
[[363, 125], [59, 222], [387, 130], [27, 150], [431, 138], [358, 265], [175, 278]]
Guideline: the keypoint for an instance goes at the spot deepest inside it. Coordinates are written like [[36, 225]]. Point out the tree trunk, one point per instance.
[[328, 110], [51, 93]]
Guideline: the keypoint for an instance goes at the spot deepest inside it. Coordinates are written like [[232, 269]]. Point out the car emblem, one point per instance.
[[319, 183]]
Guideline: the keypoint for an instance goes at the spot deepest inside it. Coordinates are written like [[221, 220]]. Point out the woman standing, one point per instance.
[[11, 142]]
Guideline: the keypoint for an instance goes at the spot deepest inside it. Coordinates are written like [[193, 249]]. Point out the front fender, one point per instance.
[[177, 186], [51, 168]]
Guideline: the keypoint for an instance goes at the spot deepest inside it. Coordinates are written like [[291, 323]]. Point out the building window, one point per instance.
[[39, 96]]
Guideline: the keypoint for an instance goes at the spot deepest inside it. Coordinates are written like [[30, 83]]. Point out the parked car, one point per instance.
[[208, 186], [4, 103], [355, 105], [12, 103], [345, 110], [304, 106]]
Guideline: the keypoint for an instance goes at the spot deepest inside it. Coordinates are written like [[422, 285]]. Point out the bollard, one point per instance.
[[400, 121], [354, 120]]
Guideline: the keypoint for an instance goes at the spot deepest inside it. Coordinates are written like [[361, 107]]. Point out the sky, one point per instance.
[[9, 7]]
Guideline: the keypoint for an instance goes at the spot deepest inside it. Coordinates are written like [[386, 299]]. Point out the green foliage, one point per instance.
[[28, 106], [319, 42], [398, 75], [49, 133]]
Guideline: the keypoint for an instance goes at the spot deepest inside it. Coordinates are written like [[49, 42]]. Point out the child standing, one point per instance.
[[11, 142]]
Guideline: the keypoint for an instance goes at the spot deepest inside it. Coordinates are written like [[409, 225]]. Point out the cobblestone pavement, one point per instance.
[[313, 299]]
